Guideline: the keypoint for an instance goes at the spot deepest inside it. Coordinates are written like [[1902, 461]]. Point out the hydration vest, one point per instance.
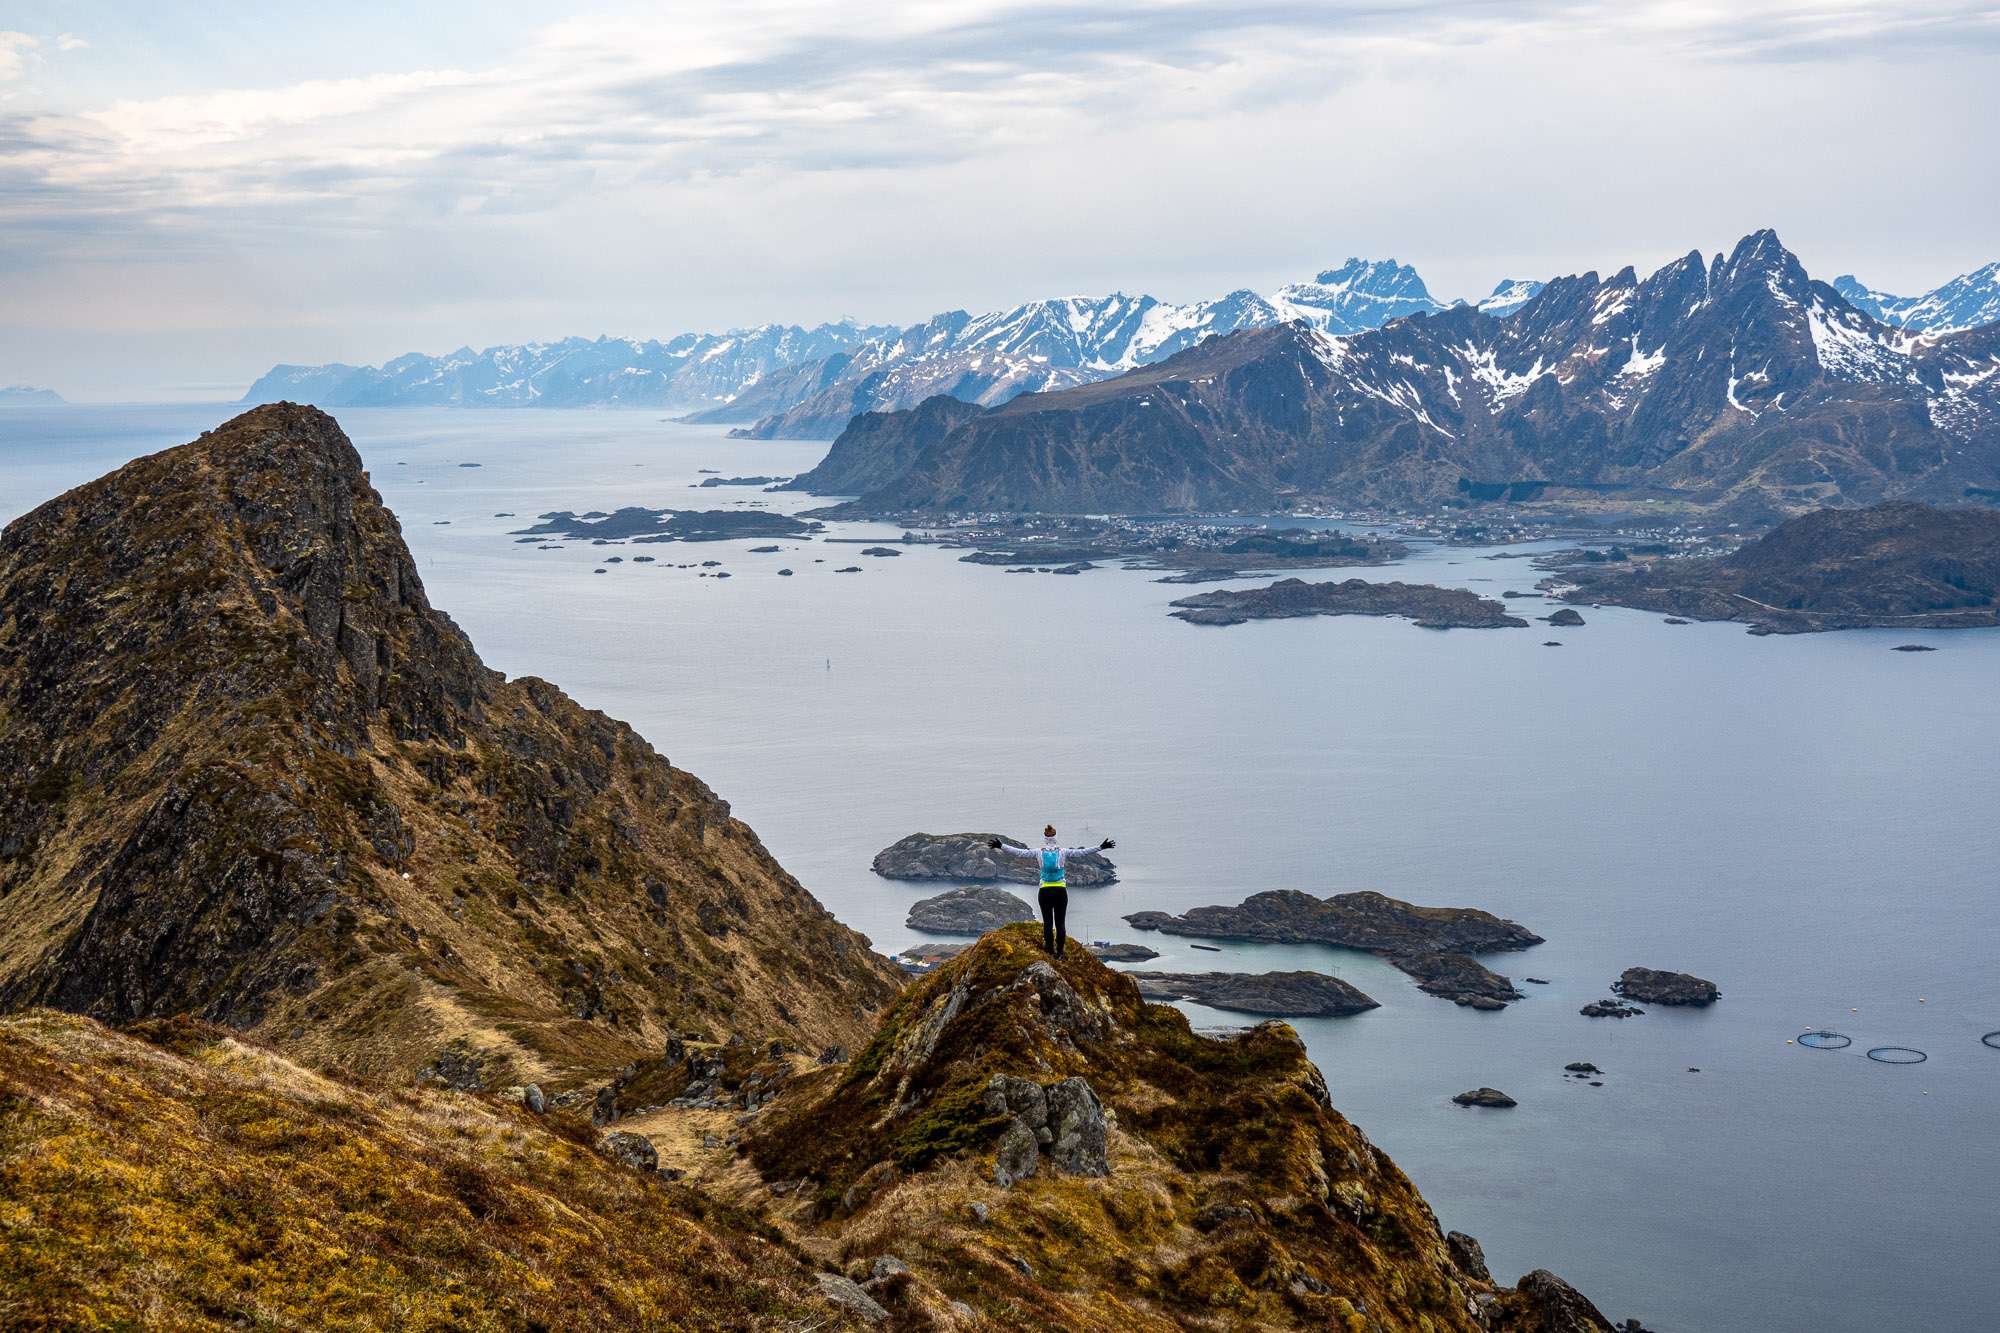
[[1052, 865]]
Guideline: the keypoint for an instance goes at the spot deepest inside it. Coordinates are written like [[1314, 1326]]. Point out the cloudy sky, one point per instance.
[[190, 192]]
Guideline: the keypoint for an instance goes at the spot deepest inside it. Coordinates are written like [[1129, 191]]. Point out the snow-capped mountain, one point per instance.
[[1966, 302], [987, 359], [1048, 345], [1360, 294], [1511, 295], [694, 369], [1739, 384]]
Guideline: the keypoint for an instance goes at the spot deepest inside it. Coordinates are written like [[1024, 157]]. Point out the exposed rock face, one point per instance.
[[1467, 1254], [247, 772], [1491, 1097], [1429, 606], [1270, 994], [1228, 1169], [1566, 618], [1562, 1308], [970, 911], [848, 1295], [1651, 987], [1902, 566], [1364, 920], [1611, 1009], [965, 857], [635, 1150]]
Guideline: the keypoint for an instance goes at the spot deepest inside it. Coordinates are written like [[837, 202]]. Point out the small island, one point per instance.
[[968, 911], [1649, 986], [1430, 945], [965, 857], [1268, 995], [27, 395], [1431, 607], [668, 525]]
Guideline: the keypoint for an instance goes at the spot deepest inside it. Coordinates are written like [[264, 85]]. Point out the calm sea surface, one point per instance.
[[1812, 822]]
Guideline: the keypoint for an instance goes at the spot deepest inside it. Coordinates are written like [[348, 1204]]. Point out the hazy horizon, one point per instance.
[[184, 207]]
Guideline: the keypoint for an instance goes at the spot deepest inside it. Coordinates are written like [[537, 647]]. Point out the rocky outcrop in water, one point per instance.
[[1429, 944], [967, 858], [1268, 994], [1365, 920], [1648, 986], [1429, 606], [1455, 977], [1489, 1097], [968, 911]]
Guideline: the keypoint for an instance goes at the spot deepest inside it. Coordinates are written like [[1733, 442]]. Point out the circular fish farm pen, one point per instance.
[[1897, 1055], [1825, 1041], [1992, 1039]]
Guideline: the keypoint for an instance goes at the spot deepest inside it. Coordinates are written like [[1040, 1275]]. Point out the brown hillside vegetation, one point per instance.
[[1232, 1194], [179, 1177], [248, 773]]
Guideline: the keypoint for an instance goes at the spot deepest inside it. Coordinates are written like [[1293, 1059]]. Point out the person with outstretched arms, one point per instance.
[[1054, 897]]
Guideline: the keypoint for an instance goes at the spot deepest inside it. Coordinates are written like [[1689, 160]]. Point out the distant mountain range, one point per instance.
[[787, 382], [692, 370], [1966, 302], [26, 395], [1739, 385]]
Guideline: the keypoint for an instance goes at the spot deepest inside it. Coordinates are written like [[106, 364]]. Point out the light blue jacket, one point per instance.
[[1054, 859]]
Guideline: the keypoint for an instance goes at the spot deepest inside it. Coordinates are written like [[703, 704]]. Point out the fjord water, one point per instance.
[[1807, 821]]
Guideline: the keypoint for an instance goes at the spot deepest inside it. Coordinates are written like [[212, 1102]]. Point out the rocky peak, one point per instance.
[[1047, 1140], [248, 772]]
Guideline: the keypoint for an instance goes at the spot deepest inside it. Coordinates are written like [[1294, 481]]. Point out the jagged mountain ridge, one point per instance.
[[1740, 384], [1049, 345], [247, 772], [1966, 302], [691, 370], [808, 383]]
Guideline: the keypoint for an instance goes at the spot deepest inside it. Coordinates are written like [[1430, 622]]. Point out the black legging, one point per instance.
[[1055, 912]]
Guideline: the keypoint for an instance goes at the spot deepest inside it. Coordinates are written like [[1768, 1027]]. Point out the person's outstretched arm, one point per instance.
[[1011, 849], [1104, 846]]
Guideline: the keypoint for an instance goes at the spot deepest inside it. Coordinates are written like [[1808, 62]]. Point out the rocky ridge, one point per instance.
[[248, 773]]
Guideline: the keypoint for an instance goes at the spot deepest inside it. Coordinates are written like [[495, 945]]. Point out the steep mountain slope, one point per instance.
[[1899, 565], [1042, 1144], [1966, 302], [247, 772], [1740, 385], [690, 371], [179, 1177]]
